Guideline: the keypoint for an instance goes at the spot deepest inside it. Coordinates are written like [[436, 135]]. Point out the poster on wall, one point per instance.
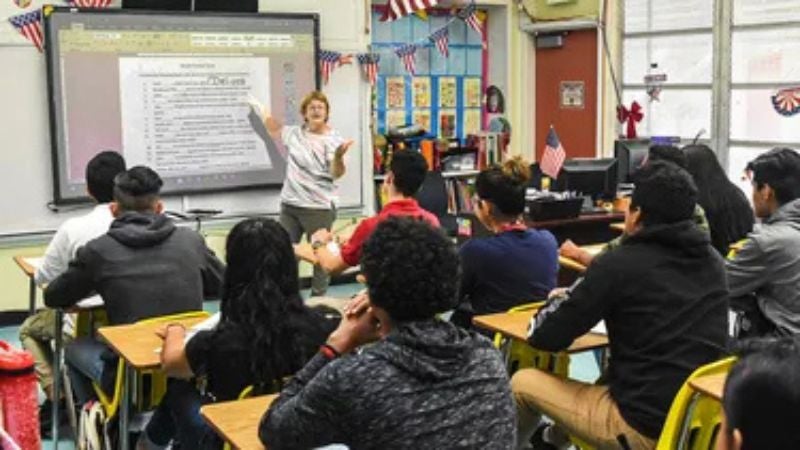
[[422, 118], [472, 92], [472, 121], [572, 94], [395, 92], [447, 92], [395, 119], [447, 123], [421, 88]]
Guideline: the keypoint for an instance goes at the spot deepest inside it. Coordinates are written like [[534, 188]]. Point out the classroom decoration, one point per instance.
[[90, 3], [470, 16], [408, 54], [369, 63], [553, 156], [329, 60], [632, 116], [22, 3], [654, 81], [441, 39], [787, 101], [29, 24], [396, 9]]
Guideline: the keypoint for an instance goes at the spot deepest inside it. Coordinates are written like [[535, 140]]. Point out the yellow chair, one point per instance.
[[694, 420], [157, 379], [520, 355]]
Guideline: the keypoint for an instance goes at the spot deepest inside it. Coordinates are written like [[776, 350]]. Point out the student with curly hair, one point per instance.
[[265, 333], [423, 383], [517, 264]]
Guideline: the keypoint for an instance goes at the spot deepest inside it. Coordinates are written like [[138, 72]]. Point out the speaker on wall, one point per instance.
[[199, 5]]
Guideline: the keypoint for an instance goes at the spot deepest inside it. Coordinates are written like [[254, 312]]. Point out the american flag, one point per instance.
[[441, 38], [30, 25], [787, 101], [90, 3], [553, 156], [470, 16], [408, 53], [369, 62], [328, 60], [396, 9]]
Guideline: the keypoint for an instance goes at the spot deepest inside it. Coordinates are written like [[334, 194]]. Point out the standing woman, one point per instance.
[[315, 160], [727, 209]]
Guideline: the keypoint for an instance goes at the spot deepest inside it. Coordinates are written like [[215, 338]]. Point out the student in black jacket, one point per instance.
[[144, 267], [663, 296]]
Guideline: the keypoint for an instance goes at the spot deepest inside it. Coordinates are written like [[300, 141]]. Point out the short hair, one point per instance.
[[762, 396], [780, 169], [318, 96], [412, 269], [667, 153], [409, 168], [504, 186], [137, 189], [100, 174], [664, 192]]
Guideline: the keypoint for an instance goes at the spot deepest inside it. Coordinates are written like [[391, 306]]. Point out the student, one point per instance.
[[517, 265], [763, 276], [315, 160], [265, 334], [36, 333], [423, 383], [144, 266], [761, 402], [729, 214], [406, 174], [663, 298], [666, 153]]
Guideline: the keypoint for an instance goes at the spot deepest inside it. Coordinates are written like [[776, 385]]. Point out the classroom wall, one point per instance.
[[568, 9]]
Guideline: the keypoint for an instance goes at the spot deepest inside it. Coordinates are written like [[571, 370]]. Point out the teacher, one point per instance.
[[315, 160]]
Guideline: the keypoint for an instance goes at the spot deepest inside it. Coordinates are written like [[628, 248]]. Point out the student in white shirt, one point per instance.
[[37, 330]]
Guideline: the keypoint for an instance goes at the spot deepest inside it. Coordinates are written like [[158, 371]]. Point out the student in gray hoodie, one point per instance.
[[422, 383], [764, 276]]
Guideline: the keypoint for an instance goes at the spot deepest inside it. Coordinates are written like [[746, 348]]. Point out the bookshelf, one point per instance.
[[459, 186]]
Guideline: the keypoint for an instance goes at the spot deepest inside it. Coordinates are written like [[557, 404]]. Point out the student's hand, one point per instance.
[[558, 292], [359, 326], [164, 330], [322, 235], [572, 251], [343, 148]]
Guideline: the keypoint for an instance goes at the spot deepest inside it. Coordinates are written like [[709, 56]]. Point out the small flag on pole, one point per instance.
[[553, 156], [407, 54], [395, 9], [369, 62], [441, 38], [327, 61], [30, 25], [470, 16], [91, 3]]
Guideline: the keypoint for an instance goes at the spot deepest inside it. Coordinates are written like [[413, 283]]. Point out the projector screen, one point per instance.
[[174, 91]]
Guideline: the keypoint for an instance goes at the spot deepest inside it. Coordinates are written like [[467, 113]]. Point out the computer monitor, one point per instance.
[[630, 154], [594, 178]]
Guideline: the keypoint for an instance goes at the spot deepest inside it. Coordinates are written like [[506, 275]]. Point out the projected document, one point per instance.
[[189, 115]]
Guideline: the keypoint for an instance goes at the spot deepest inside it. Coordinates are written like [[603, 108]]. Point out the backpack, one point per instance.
[[93, 428]]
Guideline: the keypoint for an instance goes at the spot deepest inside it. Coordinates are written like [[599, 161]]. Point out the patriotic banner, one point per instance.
[[327, 61], [396, 9], [553, 156], [30, 25], [90, 3], [369, 62], [408, 54], [787, 101], [441, 38], [470, 16]]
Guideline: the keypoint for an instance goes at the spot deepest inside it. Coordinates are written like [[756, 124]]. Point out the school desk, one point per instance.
[[711, 385], [237, 421], [28, 264], [618, 226], [139, 347], [569, 263]]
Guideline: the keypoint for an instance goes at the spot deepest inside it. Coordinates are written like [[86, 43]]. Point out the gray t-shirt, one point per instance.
[[309, 183]]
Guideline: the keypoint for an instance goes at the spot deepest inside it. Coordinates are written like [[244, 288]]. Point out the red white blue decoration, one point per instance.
[[470, 16], [396, 9], [90, 3], [441, 38], [30, 25], [327, 61], [408, 54], [369, 63], [787, 101]]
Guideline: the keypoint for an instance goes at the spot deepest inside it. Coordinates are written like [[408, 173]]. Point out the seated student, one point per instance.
[[666, 153], [761, 402], [423, 383], [763, 276], [518, 264], [730, 217], [144, 266], [36, 333], [265, 334], [663, 298], [406, 174]]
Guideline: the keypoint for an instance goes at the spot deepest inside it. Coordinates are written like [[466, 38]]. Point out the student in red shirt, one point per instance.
[[406, 174]]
